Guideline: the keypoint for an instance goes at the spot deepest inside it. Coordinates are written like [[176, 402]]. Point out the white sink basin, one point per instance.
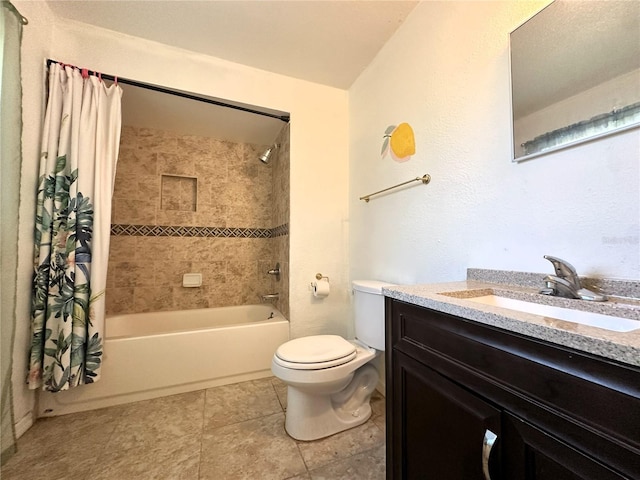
[[599, 320]]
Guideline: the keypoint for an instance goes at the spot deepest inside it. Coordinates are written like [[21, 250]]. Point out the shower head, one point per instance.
[[266, 156]]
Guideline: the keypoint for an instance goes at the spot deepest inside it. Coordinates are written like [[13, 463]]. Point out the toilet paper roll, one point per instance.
[[320, 289]]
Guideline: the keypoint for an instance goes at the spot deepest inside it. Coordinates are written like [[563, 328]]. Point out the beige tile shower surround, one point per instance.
[[225, 433], [168, 179]]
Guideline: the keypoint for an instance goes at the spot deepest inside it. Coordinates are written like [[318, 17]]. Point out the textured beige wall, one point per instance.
[[168, 179]]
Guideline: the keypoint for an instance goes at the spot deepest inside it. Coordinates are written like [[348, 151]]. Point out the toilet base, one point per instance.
[[311, 415]]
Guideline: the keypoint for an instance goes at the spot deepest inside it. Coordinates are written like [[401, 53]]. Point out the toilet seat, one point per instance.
[[315, 352]]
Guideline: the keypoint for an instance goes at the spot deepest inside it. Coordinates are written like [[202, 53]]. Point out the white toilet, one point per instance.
[[330, 380]]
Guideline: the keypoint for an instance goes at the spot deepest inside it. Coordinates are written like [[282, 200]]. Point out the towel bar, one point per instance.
[[426, 178]]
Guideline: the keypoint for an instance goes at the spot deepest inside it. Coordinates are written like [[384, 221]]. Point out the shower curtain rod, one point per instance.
[[177, 93]]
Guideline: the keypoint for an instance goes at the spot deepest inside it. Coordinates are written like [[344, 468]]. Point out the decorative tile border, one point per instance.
[[280, 231], [123, 230]]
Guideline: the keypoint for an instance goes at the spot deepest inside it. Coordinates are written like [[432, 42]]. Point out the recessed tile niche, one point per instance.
[[178, 193]]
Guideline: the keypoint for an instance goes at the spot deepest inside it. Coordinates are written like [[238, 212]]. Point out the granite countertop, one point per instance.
[[450, 298]]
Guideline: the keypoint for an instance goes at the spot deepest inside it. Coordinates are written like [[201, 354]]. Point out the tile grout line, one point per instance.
[[243, 421], [204, 408], [277, 397], [306, 467], [92, 471], [368, 451]]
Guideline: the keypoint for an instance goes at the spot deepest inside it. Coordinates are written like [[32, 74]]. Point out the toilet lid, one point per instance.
[[316, 349]]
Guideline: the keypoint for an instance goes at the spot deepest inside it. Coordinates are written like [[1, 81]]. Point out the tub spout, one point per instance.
[[270, 296]]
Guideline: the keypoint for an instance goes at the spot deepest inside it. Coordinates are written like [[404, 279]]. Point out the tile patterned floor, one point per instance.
[[223, 433]]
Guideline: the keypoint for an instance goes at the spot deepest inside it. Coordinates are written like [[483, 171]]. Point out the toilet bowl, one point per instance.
[[330, 379]]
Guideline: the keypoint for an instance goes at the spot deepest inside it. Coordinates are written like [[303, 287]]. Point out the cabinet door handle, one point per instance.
[[487, 444]]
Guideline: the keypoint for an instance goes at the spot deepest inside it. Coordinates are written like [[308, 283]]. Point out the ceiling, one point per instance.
[[328, 42]]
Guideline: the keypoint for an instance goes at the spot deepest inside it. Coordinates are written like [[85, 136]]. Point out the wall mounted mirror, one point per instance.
[[575, 75]]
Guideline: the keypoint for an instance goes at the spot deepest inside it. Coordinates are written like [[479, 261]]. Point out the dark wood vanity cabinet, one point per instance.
[[467, 401]]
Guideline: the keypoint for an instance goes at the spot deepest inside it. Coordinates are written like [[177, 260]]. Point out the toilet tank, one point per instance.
[[369, 312]]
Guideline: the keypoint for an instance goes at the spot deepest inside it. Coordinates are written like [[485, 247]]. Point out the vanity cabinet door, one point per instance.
[[531, 454], [439, 428]]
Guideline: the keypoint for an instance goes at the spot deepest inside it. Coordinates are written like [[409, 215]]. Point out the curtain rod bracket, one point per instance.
[[12, 7]]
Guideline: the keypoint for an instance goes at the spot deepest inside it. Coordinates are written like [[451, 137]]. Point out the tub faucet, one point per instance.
[[275, 271], [566, 283]]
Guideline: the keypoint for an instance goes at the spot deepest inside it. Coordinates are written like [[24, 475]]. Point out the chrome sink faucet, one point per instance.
[[566, 283]]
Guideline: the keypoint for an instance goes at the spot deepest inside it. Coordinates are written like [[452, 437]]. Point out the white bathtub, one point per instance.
[[149, 355]]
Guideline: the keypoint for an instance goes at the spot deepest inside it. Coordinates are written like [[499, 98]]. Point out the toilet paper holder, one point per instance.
[[320, 288], [319, 276]]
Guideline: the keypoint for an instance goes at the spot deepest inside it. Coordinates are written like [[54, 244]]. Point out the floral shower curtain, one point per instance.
[[81, 136]]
